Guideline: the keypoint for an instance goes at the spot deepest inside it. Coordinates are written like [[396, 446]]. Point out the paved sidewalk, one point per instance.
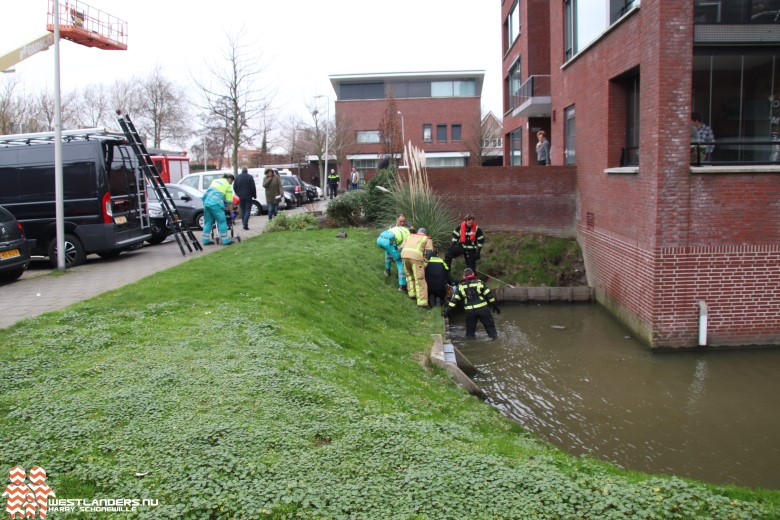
[[38, 291]]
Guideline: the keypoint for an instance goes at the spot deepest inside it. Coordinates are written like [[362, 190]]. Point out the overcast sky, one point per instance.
[[299, 43]]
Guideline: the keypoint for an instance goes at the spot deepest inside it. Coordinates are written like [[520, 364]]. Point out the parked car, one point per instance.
[[189, 204], [14, 248], [295, 187], [315, 193], [202, 180], [103, 196]]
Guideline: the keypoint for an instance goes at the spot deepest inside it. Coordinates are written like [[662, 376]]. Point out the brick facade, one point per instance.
[[659, 238]]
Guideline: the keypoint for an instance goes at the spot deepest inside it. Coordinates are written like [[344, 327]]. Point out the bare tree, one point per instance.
[[390, 126], [163, 109], [484, 134], [15, 112], [43, 105], [342, 139], [233, 96], [317, 135], [93, 107]]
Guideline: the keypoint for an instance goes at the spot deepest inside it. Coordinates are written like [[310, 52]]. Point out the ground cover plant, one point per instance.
[[283, 377]]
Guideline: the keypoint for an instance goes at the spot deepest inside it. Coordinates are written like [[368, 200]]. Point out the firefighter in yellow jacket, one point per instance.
[[416, 250]]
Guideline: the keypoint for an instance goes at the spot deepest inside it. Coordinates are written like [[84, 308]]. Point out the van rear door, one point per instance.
[[125, 202]]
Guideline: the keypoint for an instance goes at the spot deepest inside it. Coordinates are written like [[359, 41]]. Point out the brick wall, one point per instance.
[[533, 199]]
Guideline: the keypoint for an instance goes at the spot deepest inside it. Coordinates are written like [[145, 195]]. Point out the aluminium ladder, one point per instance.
[[183, 234]]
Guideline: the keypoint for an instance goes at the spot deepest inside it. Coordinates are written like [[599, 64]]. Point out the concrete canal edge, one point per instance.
[[446, 356]]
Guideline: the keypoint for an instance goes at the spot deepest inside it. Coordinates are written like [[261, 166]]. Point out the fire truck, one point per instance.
[[171, 165]]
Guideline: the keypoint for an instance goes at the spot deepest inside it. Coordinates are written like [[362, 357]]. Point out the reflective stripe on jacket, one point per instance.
[[474, 239], [220, 192], [474, 294], [400, 233], [415, 245]]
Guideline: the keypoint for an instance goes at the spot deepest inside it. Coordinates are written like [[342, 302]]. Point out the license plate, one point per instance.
[[121, 220], [11, 253]]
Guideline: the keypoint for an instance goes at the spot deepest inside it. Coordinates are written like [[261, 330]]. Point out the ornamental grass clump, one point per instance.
[[413, 196]]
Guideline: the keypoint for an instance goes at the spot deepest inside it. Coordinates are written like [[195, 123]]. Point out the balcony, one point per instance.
[[533, 98], [733, 152], [736, 22]]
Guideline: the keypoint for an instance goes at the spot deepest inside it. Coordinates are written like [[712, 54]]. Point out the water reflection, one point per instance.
[[574, 375]]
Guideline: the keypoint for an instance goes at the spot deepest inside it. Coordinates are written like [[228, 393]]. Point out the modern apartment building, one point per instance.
[[681, 240], [438, 112]]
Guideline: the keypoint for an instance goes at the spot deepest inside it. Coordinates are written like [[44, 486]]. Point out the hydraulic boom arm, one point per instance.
[[25, 51]]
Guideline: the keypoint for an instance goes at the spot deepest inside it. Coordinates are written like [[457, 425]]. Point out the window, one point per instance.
[[618, 8], [632, 121], [453, 88], [368, 136], [455, 129], [441, 133], [361, 165], [570, 134], [362, 91], [570, 28], [736, 96], [410, 89], [427, 133], [516, 148], [515, 83], [513, 24], [445, 162]]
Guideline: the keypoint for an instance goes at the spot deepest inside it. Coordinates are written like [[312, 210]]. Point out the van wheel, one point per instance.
[[257, 209], [74, 251]]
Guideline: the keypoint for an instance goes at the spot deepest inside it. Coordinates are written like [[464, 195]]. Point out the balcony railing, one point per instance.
[[533, 98], [734, 152], [736, 12]]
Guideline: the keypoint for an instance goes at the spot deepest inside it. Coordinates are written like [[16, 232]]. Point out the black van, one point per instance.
[[103, 191]]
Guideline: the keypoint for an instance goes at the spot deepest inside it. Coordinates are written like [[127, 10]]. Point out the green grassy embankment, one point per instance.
[[282, 377]]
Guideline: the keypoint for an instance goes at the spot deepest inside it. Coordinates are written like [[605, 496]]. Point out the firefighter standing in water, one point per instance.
[[467, 240], [216, 200], [476, 296], [415, 251]]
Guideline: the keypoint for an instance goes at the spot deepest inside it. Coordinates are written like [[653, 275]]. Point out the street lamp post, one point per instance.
[[327, 121]]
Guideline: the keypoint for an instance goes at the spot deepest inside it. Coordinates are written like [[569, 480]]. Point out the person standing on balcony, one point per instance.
[[705, 135], [542, 149]]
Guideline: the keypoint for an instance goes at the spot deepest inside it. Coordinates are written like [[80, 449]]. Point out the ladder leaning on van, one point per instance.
[[184, 235]]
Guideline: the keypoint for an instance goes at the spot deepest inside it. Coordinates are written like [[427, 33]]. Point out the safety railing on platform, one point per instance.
[[87, 25]]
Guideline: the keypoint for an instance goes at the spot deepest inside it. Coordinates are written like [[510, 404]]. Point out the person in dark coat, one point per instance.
[[438, 278], [245, 189]]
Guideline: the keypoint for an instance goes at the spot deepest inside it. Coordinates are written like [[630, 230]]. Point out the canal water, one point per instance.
[[574, 375]]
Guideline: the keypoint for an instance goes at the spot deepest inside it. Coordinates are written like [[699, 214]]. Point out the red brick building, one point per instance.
[[438, 112], [669, 228]]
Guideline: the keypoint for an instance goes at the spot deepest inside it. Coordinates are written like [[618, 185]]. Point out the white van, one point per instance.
[[202, 180]]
